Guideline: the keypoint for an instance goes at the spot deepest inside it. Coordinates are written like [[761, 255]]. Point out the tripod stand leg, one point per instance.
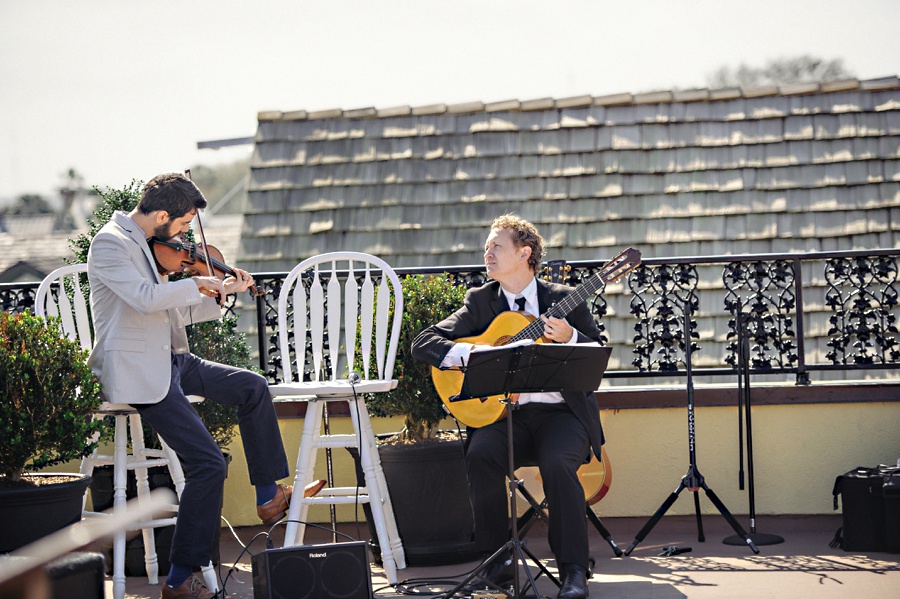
[[476, 573], [543, 569], [700, 536], [734, 523], [536, 511], [520, 554], [602, 530], [527, 520], [654, 519]]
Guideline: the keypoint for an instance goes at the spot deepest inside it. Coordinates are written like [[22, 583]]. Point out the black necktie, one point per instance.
[[520, 302]]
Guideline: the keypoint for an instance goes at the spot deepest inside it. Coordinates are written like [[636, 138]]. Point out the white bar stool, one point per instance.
[[355, 321]]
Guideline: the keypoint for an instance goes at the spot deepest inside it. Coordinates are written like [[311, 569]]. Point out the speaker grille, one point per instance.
[[339, 578], [292, 576], [337, 571]]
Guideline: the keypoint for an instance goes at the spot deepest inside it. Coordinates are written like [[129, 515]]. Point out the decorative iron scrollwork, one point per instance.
[[862, 295], [16, 299], [765, 293], [664, 299]]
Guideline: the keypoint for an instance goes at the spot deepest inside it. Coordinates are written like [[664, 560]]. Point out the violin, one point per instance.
[[175, 256]]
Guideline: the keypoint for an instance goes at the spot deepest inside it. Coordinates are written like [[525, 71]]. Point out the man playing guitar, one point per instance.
[[556, 431]]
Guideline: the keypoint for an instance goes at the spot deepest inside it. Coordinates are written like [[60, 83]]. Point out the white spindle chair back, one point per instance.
[[52, 299], [334, 296]]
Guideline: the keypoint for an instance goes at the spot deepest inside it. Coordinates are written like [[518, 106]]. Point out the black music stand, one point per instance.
[[693, 480], [529, 368]]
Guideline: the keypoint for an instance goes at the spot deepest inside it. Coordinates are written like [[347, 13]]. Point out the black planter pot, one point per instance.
[[102, 495], [29, 513], [429, 492]]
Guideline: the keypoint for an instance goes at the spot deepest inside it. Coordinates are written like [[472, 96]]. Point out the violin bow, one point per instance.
[[209, 267]]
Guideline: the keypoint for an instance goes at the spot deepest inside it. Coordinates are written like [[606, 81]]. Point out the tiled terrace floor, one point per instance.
[[803, 567]]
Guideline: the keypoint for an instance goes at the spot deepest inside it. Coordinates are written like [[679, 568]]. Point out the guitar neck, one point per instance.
[[535, 329], [622, 264]]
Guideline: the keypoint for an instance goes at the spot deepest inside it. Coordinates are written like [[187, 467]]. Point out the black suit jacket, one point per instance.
[[482, 305]]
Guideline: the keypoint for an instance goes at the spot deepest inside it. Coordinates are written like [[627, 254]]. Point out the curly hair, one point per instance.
[[524, 234]]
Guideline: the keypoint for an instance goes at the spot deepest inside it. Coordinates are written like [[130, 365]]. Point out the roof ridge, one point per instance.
[[583, 101]]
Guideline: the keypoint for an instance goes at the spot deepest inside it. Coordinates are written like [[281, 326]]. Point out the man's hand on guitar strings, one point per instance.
[[557, 329]]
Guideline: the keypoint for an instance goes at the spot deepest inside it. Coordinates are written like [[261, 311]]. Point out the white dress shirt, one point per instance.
[[459, 353]]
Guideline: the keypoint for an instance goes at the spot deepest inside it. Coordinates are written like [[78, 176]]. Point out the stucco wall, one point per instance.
[[798, 452]]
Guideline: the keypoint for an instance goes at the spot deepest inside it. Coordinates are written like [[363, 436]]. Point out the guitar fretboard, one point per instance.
[[621, 265]]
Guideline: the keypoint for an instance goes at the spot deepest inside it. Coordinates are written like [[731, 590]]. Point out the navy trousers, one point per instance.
[[553, 438], [178, 424]]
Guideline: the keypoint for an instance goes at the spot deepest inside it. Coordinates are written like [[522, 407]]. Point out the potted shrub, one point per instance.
[[424, 467], [47, 397], [426, 301]]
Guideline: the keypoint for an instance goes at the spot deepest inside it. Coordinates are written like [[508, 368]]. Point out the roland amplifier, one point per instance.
[[337, 571]]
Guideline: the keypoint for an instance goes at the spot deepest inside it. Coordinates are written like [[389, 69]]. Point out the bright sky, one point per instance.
[[124, 90]]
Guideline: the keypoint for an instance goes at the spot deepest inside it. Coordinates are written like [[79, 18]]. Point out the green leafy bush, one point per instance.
[[426, 301], [47, 396]]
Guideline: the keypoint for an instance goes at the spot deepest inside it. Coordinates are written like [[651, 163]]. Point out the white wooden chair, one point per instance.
[[63, 293], [337, 315]]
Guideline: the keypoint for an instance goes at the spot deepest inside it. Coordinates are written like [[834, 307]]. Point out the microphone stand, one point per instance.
[[743, 364], [693, 480]]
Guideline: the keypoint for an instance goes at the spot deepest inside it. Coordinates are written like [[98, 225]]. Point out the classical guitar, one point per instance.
[[512, 326], [595, 477]]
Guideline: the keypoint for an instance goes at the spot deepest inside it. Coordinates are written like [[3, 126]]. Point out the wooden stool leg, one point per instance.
[[373, 489], [210, 578], [151, 561], [87, 468], [368, 437], [306, 456], [120, 482], [176, 472]]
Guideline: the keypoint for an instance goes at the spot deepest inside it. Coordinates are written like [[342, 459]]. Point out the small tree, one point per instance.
[[29, 204], [111, 200], [47, 396], [799, 69], [426, 300]]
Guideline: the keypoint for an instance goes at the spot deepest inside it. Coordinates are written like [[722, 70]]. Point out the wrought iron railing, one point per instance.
[[827, 311]]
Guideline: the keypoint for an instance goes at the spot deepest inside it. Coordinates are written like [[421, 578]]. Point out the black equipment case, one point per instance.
[[871, 509]]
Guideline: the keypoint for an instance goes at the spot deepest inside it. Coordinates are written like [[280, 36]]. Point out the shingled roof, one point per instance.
[[806, 167]]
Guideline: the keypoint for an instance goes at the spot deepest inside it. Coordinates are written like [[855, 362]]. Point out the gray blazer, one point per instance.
[[139, 317]]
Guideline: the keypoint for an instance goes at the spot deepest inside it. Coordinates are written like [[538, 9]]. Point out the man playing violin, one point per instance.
[[141, 357], [554, 430]]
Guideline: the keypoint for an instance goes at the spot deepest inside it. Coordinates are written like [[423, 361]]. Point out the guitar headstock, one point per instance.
[[622, 264], [556, 271]]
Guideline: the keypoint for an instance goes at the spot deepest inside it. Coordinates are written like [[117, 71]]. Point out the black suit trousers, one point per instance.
[[551, 437]]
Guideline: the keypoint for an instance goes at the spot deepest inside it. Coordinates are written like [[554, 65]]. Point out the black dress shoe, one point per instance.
[[501, 572], [574, 583]]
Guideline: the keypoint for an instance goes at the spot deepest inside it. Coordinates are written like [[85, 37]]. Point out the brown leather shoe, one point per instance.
[[314, 487], [276, 508], [192, 588]]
